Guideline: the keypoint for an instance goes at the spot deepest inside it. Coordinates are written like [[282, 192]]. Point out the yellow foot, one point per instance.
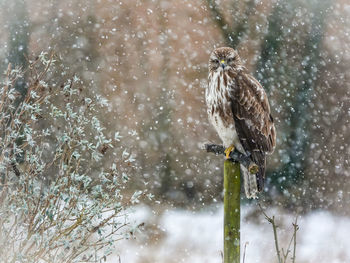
[[228, 151]]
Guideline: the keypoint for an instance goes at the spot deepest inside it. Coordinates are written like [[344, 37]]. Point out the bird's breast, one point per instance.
[[220, 110]]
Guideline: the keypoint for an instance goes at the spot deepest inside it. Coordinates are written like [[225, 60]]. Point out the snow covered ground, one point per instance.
[[186, 236]]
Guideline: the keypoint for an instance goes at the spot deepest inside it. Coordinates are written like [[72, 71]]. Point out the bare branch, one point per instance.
[[294, 238], [235, 156], [271, 220], [244, 252], [296, 228], [15, 169]]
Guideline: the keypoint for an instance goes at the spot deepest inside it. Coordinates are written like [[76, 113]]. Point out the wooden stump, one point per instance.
[[232, 211]]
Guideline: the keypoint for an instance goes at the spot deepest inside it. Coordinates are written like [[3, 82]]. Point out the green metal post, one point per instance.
[[232, 212]]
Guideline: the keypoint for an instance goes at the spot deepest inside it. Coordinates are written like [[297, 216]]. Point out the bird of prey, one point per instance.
[[239, 110]]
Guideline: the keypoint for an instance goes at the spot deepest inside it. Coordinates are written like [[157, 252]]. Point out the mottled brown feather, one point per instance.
[[253, 121]]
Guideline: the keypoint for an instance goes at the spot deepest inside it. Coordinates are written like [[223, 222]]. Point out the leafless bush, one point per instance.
[[57, 202], [290, 251]]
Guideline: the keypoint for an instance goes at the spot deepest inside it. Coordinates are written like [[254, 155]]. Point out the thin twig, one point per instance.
[[15, 169], [296, 228], [285, 255], [274, 227], [244, 252]]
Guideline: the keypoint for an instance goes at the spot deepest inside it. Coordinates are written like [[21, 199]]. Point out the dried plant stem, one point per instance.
[[245, 250], [296, 228], [274, 227], [275, 237], [293, 239]]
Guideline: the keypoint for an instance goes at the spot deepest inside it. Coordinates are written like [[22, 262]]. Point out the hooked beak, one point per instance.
[[223, 63]]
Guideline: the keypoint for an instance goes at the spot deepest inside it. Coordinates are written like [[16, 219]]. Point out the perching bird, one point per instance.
[[239, 110]]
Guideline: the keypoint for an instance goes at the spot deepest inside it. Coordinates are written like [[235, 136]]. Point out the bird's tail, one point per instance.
[[250, 183]]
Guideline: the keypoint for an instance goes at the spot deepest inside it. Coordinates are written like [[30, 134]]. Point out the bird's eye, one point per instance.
[[216, 61], [230, 60]]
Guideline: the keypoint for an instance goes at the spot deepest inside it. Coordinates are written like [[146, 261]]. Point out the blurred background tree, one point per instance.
[[149, 59], [17, 22]]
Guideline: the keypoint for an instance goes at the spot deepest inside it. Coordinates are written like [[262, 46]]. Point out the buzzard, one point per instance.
[[239, 110]]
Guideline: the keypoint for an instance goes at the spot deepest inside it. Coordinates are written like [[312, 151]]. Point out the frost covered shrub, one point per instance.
[[57, 201]]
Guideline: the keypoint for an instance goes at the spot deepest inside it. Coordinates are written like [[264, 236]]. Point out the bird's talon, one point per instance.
[[228, 151]]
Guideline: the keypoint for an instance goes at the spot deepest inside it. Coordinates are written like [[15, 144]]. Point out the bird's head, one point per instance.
[[224, 58]]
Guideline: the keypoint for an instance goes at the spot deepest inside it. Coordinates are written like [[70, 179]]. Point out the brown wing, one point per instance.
[[253, 121]]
